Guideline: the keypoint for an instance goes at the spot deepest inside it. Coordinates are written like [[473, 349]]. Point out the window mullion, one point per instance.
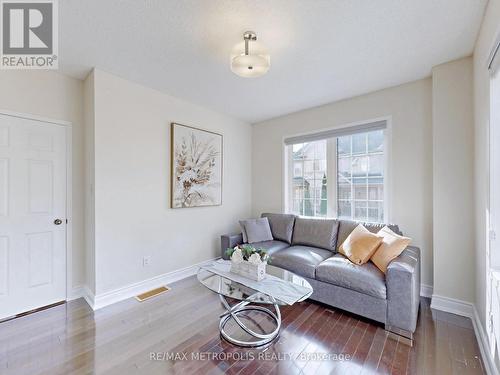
[[332, 177], [366, 177], [303, 191], [351, 178], [291, 172]]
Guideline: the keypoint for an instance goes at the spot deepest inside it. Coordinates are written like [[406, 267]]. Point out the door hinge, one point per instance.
[[66, 221], [493, 235]]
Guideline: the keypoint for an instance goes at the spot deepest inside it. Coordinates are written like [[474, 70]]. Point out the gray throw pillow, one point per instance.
[[256, 230], [243, 231], [281, 226]]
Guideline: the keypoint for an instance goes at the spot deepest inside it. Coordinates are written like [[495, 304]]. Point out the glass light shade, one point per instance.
[[250, 65], [255, 64]]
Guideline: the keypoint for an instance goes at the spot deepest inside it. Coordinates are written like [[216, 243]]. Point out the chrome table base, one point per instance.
[[242, 308]]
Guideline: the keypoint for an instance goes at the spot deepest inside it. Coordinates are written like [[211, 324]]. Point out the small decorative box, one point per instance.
[[255, 272]]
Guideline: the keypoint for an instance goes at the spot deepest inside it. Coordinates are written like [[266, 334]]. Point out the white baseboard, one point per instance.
[[452, 305], [426, 290], [75, 293], [81, 291], [89, 297], [108, 298], [468, 310], [482, 340]]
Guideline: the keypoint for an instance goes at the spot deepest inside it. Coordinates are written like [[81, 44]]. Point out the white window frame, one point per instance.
[[332, 169]]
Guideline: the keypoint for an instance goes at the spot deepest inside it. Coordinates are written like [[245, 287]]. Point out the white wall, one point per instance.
[[51, 95], [452, 138], [489, 31], [410, 106], [132, 184], [89, 124]]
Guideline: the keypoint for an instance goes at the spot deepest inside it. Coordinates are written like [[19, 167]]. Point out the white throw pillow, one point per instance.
[[256, 230]]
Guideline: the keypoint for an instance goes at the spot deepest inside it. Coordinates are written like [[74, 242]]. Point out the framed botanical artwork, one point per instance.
[[196, 167]]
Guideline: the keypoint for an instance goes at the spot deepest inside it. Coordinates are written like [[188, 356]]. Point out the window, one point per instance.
[[309, 179], [341, 176], [360, 177]]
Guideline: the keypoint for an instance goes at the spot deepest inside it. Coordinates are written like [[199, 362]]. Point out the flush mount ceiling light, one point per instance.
[[250, 58]]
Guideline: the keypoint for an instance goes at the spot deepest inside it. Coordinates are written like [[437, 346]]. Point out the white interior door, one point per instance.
[[32, 198]]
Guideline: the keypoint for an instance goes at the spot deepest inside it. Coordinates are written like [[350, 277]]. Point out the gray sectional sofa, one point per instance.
[[308, 247]]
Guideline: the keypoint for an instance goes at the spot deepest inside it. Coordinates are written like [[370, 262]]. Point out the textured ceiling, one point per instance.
[[321, 50]]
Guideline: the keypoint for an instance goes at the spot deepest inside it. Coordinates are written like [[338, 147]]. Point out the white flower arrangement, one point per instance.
[[254, 259], [237, 256], [248, 261]]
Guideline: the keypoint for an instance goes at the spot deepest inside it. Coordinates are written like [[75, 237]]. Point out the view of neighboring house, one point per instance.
[[358, 188]]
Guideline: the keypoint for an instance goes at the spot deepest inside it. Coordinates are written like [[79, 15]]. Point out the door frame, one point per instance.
[[69, 188]]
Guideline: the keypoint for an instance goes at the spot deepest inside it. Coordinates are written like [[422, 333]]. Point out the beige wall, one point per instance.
[[54, 96], [89, 121], [410, 106], [452, 138], [489, 31], [132, 184]]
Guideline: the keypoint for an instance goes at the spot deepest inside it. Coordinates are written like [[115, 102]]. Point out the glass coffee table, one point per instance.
[[279, 288]]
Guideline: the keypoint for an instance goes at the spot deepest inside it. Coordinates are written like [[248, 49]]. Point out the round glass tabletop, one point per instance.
[[246, 291]]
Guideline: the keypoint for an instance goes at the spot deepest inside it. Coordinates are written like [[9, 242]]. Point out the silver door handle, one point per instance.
[[57, 221]]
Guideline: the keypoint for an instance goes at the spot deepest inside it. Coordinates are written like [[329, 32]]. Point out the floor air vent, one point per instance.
[[152, 293]]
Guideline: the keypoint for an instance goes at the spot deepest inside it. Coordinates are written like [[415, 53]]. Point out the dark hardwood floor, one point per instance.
[[141, 338]]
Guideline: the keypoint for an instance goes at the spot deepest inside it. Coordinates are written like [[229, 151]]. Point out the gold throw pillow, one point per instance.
[[360, 245], [392, 245]]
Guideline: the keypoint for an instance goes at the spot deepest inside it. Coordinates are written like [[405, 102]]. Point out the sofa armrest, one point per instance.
[[229, 240], [403, 290]]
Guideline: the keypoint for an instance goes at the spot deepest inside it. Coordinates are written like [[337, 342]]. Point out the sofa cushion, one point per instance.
[[271, 246], [301, 260], [340, 271], [256, 230], [320, 233], [347, 226], [281, 226]]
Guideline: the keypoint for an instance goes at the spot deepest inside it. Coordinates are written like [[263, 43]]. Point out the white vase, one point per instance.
[[252, 271]]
